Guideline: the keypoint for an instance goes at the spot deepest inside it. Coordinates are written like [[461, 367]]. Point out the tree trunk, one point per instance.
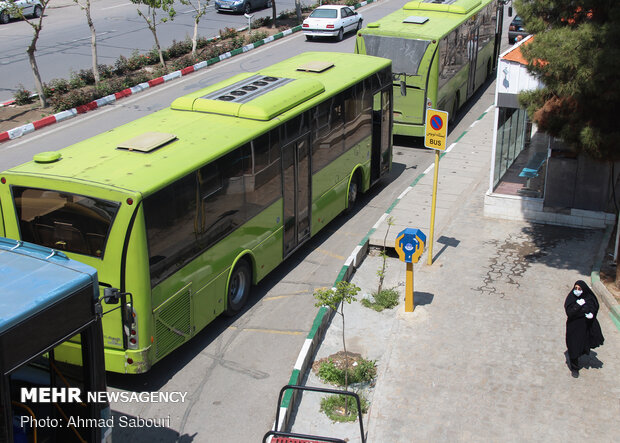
[[33, 65], [153, 28], [346, 363], [298, 11], [93, 43], [273, 13], [195, 37]]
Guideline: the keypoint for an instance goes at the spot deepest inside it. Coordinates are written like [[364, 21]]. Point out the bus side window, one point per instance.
[[171, 220], [264, 186]]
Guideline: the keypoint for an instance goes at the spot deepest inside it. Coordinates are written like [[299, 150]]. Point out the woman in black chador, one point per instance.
[[583, 331]]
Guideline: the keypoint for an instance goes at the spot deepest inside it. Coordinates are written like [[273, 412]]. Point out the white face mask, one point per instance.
[[577, 292]]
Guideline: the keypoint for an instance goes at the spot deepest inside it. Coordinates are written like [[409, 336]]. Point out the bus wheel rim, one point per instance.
[[237, 287], [352, 192]]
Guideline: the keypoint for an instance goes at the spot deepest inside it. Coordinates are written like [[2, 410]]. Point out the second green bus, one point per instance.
[[442, 51]]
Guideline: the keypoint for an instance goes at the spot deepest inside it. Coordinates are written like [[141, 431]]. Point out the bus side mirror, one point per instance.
[[509, 11], [111, 296], [403, 88]]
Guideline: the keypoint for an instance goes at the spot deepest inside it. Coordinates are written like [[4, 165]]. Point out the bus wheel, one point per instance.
[[238, 287], [489, 70], [455, 109], [354, 187]]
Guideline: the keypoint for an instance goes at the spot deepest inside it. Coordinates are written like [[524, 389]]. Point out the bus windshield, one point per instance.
[[405, 53], [64, 221]]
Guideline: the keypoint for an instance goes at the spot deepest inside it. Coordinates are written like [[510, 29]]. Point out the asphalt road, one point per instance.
[[64, 44], [233, 370]]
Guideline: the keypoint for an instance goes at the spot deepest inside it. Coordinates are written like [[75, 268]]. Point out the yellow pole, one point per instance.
[[409, 305], [434, 204]]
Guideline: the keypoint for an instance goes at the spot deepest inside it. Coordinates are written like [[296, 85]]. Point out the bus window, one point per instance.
[[171, 227], [406, 54], [64, 221]]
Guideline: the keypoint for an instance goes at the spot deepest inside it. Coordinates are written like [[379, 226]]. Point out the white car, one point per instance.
[[28, 7], [331, 21]]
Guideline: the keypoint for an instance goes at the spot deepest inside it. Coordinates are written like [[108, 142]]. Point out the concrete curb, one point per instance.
[[598, 287], [324, 315], [315, 336], [14, 133]]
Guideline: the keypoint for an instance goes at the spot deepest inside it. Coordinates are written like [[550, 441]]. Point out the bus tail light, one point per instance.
[[3, 180]]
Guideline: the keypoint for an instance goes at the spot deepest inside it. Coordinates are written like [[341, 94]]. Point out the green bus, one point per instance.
[[442, 51], [183, 210]]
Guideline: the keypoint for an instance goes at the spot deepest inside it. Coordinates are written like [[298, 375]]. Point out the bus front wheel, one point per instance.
[[238, 287]]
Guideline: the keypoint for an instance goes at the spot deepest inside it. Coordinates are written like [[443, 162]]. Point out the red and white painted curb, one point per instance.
[[14, 133]]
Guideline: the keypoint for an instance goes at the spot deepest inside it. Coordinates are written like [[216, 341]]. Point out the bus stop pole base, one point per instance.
[[409, 305]]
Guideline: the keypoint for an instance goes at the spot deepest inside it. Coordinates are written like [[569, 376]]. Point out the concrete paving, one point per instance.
[[482, 357]]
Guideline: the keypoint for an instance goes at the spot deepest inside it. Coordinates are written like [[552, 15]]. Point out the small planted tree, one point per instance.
[[36, 23], [151, 19], [200, 8], [344, 292], [85, 6]]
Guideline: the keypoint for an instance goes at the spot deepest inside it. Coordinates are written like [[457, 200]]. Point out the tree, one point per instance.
[[344, 292], [200, 9], [36, 23], [93, 37], [576, 55], [150, 17]]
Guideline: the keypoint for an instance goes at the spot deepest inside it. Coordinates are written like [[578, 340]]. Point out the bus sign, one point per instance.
[[436, 129]]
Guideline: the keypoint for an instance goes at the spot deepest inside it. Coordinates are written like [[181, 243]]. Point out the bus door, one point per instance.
[[472, 57], [296, 180], [381, 124]]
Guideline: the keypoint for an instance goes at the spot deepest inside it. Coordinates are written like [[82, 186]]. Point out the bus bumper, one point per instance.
[[408, 129], [116, 360]]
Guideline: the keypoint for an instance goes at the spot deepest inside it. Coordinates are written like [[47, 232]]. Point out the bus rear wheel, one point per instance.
[[354, 188], [238, 287]]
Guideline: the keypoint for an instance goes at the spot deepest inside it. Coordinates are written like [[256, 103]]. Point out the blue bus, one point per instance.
[[46, 299]]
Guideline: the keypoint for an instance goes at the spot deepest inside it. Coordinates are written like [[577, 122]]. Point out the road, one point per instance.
[[233, 370], [64, 44]]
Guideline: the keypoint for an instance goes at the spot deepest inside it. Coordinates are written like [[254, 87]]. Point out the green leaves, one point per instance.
[[576, 55], [344, 292]]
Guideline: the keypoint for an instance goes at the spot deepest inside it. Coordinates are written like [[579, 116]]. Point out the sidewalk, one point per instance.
[[482, 357]]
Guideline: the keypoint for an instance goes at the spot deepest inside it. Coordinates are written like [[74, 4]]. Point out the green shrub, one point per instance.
[[56, 86], [22, 96], [351, 2], [228, 33], [71, 99], [76, 81], [177, 49], [363, 371], [262, 21], [334, 406], [257, 36], [386, 299]]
